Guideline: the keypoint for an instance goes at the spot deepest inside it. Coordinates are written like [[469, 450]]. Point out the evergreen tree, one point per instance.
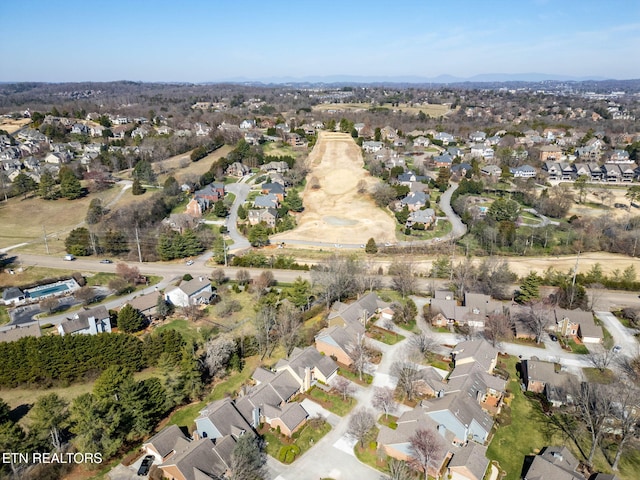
[[130, 319], [95, 212], [143, 171], [23, 184], [299, 293], [165, 247], [115, 242], [258, 235], [70, 187], [220, 210], [49, 418], [137, 188], [529, 290], [371, 246], [190, 375], [171, 187], [78, 242], [242, 212], [294, 202], [47, 188]]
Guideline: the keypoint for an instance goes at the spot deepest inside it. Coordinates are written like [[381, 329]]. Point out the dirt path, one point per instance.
[[336, 212]]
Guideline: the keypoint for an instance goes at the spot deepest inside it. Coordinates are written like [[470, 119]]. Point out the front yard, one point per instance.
[[331, 401], [285, 449]]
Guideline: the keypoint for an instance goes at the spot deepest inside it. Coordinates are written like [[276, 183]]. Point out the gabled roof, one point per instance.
[[479, 350], [353, 313], [12, 292], [308, 358], [556, 463], [463, 408], [167, 440], [82, 319], [337, 336], [291, 414], [145, 302], [203, 457], [225, 417], [473, 456], [16, 332], [193, 286], [275, 188]]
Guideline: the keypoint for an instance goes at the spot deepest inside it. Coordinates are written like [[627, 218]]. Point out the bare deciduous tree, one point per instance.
[[336, 278], [343, 386], [594, 404], [498, 328], [218, 276], [403, 277], [218, 352], [361, 424], [49, 304], [601, 359], [243, 277], [263, 282], [627, 418], [383, 399], [85, 294], [359, 352], [426, 449], [407, 373], [398, 470], [287, 326], [130, 274], [537, 318], [264, 322], [193, 312], [421, 345]]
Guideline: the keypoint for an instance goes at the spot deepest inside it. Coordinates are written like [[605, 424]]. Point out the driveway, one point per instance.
[[240, 190], [621, 335]]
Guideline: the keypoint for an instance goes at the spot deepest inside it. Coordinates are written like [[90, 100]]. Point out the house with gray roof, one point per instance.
[[356, 314], [479, 351], [424, 217], [16, 332], [266, 201], [13, 296], [414, 201], [146, 304], [556, 463], [197, 291], [89, 321], [201, 459], [468, 463], [166, 442], [336, 342], [221, 418], [546, 378], [308, 365]]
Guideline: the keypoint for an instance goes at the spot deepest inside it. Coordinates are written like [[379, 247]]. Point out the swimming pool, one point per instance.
[[52, 289]]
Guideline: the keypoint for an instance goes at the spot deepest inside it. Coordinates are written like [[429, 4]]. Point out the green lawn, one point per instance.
[[100, 279], [4, 315], [186, 328], [577, 349], [385, 336], [280, 446], [333, 403], [354, 377], [232, 384], [520, 432], [594, 375], [185, 416]]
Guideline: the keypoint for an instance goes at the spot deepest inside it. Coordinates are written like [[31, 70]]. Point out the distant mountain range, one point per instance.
[[441, 79]]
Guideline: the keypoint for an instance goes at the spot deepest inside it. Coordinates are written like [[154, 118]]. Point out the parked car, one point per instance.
[[68, 257], [617, 349], [189, 262], [105, 260], [145, 466], [553, 337]]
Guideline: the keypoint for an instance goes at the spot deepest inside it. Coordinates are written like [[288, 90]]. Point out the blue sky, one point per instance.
[[213, 40]]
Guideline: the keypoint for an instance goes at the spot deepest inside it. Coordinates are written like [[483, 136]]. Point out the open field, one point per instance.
[[173, 165], [11, 125], [23, 220], [431, 110], [600, 201], [336, 212], [277, 149]]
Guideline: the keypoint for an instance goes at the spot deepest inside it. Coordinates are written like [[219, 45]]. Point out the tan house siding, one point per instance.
[[332, 350]]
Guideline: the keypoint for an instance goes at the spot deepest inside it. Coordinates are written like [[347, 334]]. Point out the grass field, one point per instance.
[[278, 149], [173, 166], [431, 109], [30, 275], [11, 125]]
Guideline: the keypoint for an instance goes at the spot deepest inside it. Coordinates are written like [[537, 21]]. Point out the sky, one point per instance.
[[263, 40]]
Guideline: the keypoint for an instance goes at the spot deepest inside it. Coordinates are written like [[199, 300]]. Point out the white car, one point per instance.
[[189, 262], [617, 349]]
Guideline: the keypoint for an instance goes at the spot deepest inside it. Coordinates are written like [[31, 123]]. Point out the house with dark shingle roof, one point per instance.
[[556, 463], [336, 342], [13, 296], [16, 332], [221, 418], [197, 291], [166, 442], [544, 377], [307, 366], [89, 321], [201, 459], [468, 463]]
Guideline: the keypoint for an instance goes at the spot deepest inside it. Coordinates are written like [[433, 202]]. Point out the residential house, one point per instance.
[[396, 443], [612, 172], [197, 291], [273, 189], [237, 169], [421, 142], [408, 177], [16, 332], [200, 459], [479, 351], [166, 443], [278, 167], [266, 201], [414, 201], [146, 304], [13, 296], [546, 378], [443, 160], [388, 133], [308, 365], [220, 419], [482, 151], [628, 172], [444, 137], [336, 342], [296, 140], [455, 152], [424, 217], [556, 463], [491, 170], [477, 137], [356, 314], [267, 215], [550, 153], [372, 147], [202, 130], [79, 129], [620, 156], [469, 462], [461, 169], [87, 322], [524, 171], [247, 124]]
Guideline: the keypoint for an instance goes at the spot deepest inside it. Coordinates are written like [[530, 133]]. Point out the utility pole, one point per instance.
[[573, 281], [46, 244], [138, 243]]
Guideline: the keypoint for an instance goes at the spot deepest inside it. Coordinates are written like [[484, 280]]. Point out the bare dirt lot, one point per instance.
[[433, 110], [11, 125], [336, 212]]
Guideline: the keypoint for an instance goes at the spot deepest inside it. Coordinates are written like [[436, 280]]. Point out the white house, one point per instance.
[[86, 322], [193, 292]]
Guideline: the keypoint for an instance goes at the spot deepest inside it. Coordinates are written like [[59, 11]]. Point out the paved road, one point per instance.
[[622, 335], [240, 190]]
